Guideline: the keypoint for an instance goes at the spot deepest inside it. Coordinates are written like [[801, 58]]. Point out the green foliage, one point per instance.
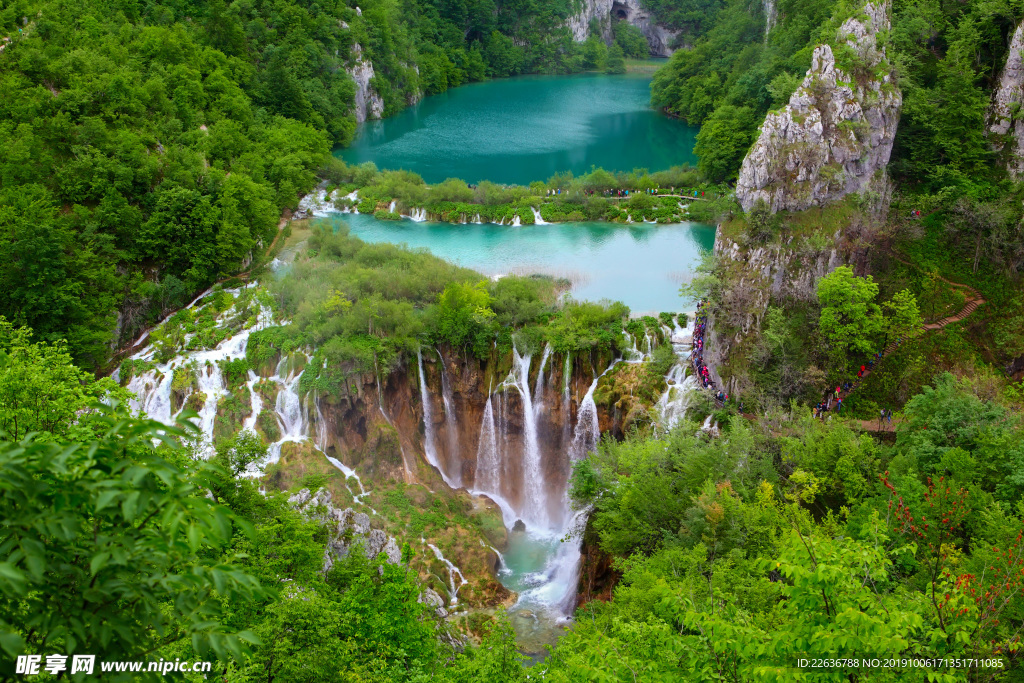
[[849, 317], [723, 141], [630, 39], [89, 528], [464, 316], [42, 391], [616, 63]]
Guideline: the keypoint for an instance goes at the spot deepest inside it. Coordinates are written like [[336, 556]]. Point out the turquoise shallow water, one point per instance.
[[519, 130], [639, 265]]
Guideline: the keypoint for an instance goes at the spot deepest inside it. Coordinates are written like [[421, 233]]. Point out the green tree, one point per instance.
[[902, 316], [104, 548], [849, 319], [464, 315], [42, 391], [723, 141], [616, 60]]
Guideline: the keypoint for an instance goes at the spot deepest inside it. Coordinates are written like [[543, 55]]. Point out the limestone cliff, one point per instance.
[[755, 276], [368, 104], [1007, 131], [660, 39], [835, 135]]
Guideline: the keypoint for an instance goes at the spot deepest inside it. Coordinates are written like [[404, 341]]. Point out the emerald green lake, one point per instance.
[[518, 130], [640, 265]]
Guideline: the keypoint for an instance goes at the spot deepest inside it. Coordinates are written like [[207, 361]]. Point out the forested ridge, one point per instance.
[[948, 57], [147, 150]]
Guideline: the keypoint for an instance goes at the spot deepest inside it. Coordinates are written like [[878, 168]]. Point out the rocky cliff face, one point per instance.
[[368, 104], [348, 529], [1006, 133], [755, 276], [659, 38], [835, 135], [378, 428]]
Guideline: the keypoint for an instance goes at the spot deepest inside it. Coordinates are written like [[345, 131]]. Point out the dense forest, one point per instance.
[[149, 149], [948, 58]]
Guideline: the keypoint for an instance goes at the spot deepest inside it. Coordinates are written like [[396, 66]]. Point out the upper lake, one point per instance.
[[518, 130]]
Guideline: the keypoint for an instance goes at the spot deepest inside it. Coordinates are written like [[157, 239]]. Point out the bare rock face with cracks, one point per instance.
[[1005, 130], [835, 135]]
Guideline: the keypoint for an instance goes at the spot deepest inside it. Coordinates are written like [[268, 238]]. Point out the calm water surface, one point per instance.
[[519, 130], [640, 265]]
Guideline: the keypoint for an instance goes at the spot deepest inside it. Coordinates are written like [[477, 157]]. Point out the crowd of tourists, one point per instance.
[[834, 401], [697, 356]]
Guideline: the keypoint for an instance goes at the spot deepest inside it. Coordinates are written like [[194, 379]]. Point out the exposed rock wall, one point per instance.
[[1006, 133], [757, 275], [377, 428], [835, 135], [368, 104], [659, 38], [350, 529]]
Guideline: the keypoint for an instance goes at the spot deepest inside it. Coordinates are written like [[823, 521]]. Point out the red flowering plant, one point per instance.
[[967, 606]]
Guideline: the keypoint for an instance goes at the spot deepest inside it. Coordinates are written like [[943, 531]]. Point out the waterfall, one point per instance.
[[255, 402], [453, 590], [672, 405], [380, 406], [428, 424], [488, 473], [632, 353], [587, 432], [290, 415], [537, 219], [392, 205], [515, 221], [418, 215], [534, 497], [154, 393], [538, 387], [451, 426]]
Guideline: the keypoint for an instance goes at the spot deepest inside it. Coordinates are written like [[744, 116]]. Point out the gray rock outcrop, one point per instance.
[[368, 104], [660, 39], [835, 135], [1006, 132], [350, 528]]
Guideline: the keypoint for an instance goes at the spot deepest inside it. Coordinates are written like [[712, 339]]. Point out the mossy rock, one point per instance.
[[232, 410], [267, 427], [183, 384]]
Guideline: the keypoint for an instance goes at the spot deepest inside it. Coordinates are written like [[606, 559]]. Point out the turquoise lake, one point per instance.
[[518, 130], [640, 265]]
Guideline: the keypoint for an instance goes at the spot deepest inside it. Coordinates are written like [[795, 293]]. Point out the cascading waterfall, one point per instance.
[[538, 387], [392, 205], [534, 508], [537, 219], [428, 424], [453, 590], [515, 221], [672, 405], [450, 420], [488, 466]]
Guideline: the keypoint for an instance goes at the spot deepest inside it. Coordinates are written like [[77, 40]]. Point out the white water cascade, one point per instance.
[[453, 590], [418, 215], [534, 508], [538, 387], [450, 422], [537, 219], [428, 425], [515, 221], [672, 405]]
